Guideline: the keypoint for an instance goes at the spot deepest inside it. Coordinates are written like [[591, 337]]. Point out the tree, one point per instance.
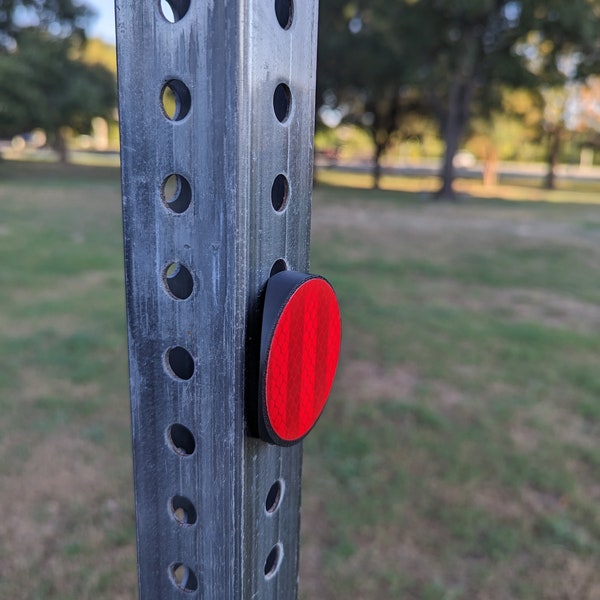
[[363, 72], [97, 52], [60, 17], [480, 45], [462, 52], [42, 86], [512, 131]]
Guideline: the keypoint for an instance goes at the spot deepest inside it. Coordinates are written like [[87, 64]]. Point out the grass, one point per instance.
[[458, 457], [65, 485]]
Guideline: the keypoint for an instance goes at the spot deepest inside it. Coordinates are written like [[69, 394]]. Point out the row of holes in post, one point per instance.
[[176, 102], [181, 441], [280, 193], [176, 193], [175, 10]]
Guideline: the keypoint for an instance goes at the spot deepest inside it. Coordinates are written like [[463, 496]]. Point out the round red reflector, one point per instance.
[[303, 346]]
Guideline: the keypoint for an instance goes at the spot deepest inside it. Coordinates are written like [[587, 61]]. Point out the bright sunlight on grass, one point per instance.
[[458, 457]]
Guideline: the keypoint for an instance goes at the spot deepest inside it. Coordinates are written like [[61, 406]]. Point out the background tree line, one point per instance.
[[472, 68], [452, 62], [48, 77]]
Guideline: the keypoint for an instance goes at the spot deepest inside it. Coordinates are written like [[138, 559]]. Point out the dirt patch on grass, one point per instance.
[[34, 386], [316, 537], [60, 518], [62, 291], [363, 381], [435, 229], [21, 328], [64, 288], [555, 575], [551, 309], [525, 305], [38, 502]]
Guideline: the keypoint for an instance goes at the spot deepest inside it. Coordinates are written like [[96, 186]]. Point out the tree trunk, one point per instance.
[[452, 137], [451, 134], [59, 145], [553, 155], [385, 123], [454, 119], [453, 113], [379, 150]]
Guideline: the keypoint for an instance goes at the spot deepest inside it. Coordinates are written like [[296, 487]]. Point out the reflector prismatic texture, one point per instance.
[[302, 360]]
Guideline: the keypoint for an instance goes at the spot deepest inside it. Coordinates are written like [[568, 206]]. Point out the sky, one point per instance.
[[104, 24]]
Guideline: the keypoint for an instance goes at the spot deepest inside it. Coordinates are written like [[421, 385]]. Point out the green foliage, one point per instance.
[[511, 131], [62, 17], [364, 71], [97, 52], [448, 59], [43, 86]]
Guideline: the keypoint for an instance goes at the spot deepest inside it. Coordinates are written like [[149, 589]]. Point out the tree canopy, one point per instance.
[[455, 55], [60, 17], [364, 68], [42, 82], [43, 86]]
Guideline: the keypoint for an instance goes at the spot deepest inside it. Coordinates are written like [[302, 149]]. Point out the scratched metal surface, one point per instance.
[[230, 147]]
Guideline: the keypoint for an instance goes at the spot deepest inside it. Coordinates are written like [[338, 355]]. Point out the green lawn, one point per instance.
[[458, 458], [65, 477]]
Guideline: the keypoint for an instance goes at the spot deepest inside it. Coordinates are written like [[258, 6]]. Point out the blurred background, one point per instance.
[[456, 213]]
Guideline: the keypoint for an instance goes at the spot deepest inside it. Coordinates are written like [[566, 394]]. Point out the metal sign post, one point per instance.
[[216, 109]]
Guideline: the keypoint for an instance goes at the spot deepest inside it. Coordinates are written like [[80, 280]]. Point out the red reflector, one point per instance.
[[301, 357]]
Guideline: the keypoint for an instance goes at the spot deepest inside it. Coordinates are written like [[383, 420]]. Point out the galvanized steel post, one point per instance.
[[216, 110]]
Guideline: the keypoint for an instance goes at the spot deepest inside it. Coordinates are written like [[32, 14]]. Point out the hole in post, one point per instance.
[[174, 10], [284, 9], [273, 561], [280, 192], [183, 511], [176, 193], [181, 440], [178, 280], [282, 102], [180, 362], [183, 577], [274, 497], [176, 100], [278, 266]]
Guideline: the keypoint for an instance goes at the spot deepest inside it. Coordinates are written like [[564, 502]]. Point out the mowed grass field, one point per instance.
[[458, 457]]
